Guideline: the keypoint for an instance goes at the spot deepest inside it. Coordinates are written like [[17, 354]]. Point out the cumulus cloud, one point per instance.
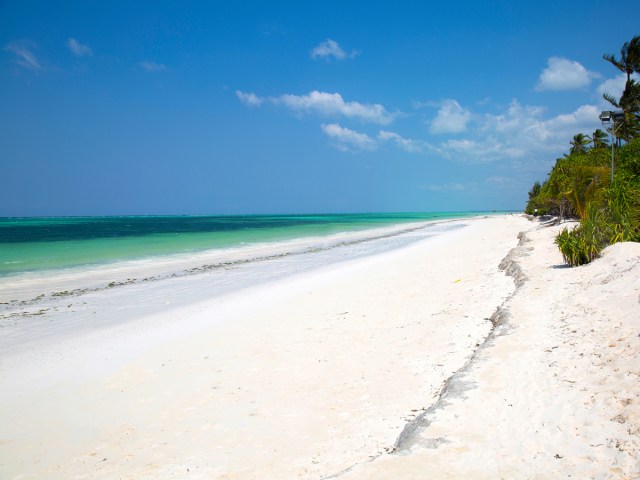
[[563, 74], [615, 86], [516, 118], [250, 99], [23, 50], [324, 104], [332, 104], [451, 118], [522, 131], [152, 66], [523, 135], [330, 48], [78, 49], [348, 140], [583, 116]]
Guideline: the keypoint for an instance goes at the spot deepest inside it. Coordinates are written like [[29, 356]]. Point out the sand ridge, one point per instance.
[[555, 394]]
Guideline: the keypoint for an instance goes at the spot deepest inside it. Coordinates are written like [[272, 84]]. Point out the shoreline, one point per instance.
[[72, 281], [312, 376], [83, 307], [109, 243]]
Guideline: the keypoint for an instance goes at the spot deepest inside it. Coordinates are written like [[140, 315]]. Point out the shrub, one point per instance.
[[584, 243], [579, 186]]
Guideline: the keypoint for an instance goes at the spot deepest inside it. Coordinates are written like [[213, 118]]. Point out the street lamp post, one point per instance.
[[609, 120]]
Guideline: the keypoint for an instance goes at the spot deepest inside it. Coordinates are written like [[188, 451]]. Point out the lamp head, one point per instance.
[[617, 116], [606, 116]]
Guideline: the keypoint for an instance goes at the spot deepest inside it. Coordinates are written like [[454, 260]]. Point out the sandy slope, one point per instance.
[[556, 394]]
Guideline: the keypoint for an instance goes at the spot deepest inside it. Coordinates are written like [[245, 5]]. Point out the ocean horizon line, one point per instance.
[[255, 214]]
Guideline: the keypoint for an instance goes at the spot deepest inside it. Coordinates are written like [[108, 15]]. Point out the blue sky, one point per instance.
[[157, 107]]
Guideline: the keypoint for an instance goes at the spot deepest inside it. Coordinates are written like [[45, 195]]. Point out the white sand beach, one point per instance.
[[472, 354]]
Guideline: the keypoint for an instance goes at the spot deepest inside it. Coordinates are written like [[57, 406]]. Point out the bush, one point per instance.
[[628, 159], [584, 243], [623, 210], [579, 186]]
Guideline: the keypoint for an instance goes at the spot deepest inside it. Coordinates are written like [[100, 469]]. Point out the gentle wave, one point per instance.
[[227, 268], [35, 244]]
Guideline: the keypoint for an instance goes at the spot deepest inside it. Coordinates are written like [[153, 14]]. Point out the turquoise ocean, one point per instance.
[[41, 244]]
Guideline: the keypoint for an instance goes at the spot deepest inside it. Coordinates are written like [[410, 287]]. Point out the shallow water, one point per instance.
[[36, 305], [35, 244]]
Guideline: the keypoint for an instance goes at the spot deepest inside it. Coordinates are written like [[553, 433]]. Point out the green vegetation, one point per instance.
[[580, 185]]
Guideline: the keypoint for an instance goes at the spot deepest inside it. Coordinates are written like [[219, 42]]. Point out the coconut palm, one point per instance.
[[629, 102], [600, 139], [630, 99], [586, 185], [579, 143], [629, 61]]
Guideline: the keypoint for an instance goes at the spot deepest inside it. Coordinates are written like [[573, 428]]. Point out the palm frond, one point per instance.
[[612, 60], [611, 99]]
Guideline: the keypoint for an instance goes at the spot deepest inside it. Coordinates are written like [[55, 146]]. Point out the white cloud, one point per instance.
[[322, 103], [348, 140], [26, 58], [406, 144], [152, 66], [563, 74], [333, 104], [522, 132], [250, 99], [451, 118], [78, 49], [583, 116], [519, 135], [331, 48], [615, 86], [516, 118]]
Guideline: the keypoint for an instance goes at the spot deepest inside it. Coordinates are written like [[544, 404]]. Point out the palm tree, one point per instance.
[[535, 190], [600, 139], [629, 102], [586, 185], [579, 143], [629, 57]]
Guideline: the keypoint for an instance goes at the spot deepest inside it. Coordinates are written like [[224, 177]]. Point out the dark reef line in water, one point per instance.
[[207, 268]]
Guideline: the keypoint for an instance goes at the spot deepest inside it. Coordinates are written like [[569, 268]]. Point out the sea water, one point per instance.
[[76, 274], [34, 244]]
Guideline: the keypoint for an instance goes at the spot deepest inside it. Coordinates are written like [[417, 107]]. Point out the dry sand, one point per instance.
[[385, 367], [555, 393]]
